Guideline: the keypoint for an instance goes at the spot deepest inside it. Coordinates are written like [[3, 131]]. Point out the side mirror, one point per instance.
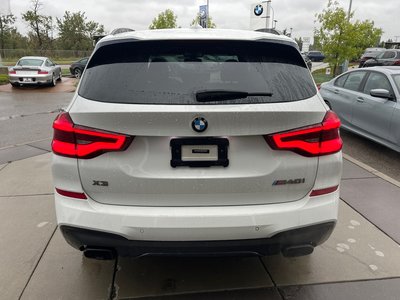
[[381, 93]]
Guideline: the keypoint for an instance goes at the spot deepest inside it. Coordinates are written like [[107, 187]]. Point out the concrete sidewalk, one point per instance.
[[361, 260]]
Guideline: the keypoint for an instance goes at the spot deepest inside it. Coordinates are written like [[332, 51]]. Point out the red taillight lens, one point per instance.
[[325, 191], [397, 63], [41, 72], [316, 140], [71, 194], [12, 72], [82, 142]]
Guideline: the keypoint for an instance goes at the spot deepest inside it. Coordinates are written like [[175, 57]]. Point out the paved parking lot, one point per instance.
[[360, 261]]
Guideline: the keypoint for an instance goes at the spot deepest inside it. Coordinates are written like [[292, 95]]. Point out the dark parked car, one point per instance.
[[389, 57], [77, 67], [316, 56], [370, 53]]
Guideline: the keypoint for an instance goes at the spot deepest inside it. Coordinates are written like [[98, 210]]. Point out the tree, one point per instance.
[[210, 23], [75, 32], [41, 26], [340, 38], [6, 22], [299, 42], [166, 19]]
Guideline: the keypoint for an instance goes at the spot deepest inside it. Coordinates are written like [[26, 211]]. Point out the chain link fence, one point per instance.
[[15, 54]]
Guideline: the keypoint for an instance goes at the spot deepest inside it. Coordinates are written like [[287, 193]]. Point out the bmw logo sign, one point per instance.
[[258, 10], [199, 124]]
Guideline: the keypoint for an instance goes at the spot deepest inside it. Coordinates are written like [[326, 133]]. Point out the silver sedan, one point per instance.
[[34, 70], [367, 102]]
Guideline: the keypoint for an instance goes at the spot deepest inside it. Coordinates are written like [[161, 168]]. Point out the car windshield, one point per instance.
[[173, 72], [30, 62], [372, 53], [396, 79]]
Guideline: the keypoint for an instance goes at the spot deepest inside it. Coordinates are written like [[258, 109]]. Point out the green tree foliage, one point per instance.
[[340, 38], [210, 23], [6, 22], [40, 35], [166, 19], [75, 32]]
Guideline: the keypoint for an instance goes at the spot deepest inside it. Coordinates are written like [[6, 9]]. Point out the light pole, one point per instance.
[[348, 14], [346, 62]]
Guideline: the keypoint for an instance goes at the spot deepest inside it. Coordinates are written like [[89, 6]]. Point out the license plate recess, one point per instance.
[[199, 152]]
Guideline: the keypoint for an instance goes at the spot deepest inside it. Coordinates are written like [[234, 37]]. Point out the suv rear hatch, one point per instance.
[[155, 92]]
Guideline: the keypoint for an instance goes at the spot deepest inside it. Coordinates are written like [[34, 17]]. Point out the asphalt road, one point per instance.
[[27, 117]]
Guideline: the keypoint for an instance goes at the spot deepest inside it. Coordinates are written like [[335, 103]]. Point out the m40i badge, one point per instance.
[[289, 181]]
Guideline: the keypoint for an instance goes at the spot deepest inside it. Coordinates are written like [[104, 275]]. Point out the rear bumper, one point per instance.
[[312, 236], [136, 231], [36, 79]]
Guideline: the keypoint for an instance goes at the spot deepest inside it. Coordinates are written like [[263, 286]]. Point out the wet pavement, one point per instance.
[[362, 257], [361, 260]]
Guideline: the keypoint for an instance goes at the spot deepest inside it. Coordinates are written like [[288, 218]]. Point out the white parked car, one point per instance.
[[196, 142], [34, 70]]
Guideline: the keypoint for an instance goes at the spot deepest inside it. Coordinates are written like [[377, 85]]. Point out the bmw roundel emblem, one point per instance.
[[258, 10], [199, 124]]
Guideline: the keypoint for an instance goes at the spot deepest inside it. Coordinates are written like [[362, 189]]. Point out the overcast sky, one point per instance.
[[138, 14]]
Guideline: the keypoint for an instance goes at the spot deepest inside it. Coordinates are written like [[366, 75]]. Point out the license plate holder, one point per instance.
[[199, 152]]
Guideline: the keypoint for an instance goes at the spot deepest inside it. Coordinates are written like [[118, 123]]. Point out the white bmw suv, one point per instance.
[[196, 142]]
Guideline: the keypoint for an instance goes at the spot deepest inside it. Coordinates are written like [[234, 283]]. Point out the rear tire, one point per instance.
[[60, 77], [329, 105], [15, 84], [53, 81], [77, 73]]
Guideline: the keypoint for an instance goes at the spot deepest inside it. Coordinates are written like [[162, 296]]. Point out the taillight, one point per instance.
[[324, 191], [83, 142], [71, 194], [12, 72], [41, 72], [397, 63], [316, 140]]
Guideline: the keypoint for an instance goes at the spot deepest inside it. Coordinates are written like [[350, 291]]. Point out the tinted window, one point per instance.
[[353, 81], [172, 72], [341, 80], [377, 81], [389, 54]]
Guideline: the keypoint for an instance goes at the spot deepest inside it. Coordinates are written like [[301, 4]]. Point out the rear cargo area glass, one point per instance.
[[172, 72]]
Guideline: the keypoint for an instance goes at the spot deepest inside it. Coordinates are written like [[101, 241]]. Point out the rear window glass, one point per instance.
[[173, 72], [30, 62], [341, 80]]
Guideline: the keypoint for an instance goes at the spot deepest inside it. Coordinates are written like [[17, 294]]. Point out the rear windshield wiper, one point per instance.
[[210, 96]]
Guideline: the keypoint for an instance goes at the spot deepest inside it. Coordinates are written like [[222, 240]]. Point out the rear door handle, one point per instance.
[[336, 91], [360, 99]]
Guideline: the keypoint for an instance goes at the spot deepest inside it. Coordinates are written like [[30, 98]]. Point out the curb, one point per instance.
[[372, 170]]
